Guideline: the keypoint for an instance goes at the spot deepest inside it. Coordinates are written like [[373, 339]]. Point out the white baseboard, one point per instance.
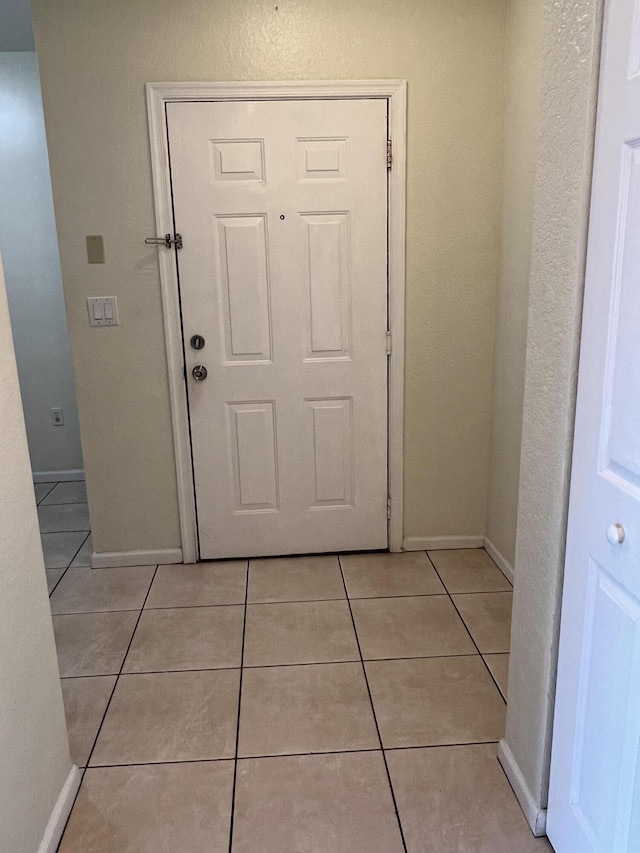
[[501, 561], [61, 811], [58, 476], [536, 816], [435, 543], [113, 559]]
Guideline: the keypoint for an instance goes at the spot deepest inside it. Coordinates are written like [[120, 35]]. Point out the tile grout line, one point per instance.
[[287, 601], [486, 592], [508, 580], [62, 503], [373, 711], [67, 503], [38, 503], [57, 583], [47, 493], [374, 749], [80, 549], [119, 673], [49, 532], [106, 710], [235, 758], [486, 665], [259, 665]]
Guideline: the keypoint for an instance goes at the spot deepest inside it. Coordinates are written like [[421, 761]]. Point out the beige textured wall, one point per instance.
[[95, 58], [34, 749], [522, 73], [571, 39]]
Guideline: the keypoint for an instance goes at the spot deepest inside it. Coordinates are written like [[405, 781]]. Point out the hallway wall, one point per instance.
[[564, 164], [32, 268], [95, 59], [523, 56], [33, 736]]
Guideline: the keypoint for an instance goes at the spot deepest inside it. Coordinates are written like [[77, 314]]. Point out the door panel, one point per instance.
[[283, 209], [595, 767], [621, 438], [328, 310], [244, 284], [331, 452], [254, 456]]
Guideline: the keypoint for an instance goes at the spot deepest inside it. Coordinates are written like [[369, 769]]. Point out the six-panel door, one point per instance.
[[283, 210]]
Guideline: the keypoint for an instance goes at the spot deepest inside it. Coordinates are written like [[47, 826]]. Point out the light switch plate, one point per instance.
[[103, 311]]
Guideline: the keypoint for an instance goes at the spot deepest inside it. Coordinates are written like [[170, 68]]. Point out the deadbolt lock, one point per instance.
[[199, 372], [197, 342]]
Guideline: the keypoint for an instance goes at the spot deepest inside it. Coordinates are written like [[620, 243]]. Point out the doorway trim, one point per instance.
[[158, 96]]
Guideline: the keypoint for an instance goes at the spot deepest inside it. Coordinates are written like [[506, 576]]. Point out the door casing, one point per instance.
[[158, 95]]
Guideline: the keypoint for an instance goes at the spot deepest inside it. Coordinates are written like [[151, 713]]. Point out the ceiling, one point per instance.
[[15, 25]]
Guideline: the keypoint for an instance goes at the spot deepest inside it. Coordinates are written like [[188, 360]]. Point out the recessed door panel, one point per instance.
[[322, 159], [622, 408], [331, 452], [238, 159], [244, 281], [602, 752], [253, 455], [326, 246]]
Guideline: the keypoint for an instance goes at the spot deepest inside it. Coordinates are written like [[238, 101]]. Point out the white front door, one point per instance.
[[282, 206], [594, 800]]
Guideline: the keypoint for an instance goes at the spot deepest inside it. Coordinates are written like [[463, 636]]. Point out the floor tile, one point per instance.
[[430, 701], [499, 666], [54, 519], [315, 804], [295, 579], [487, 615], [165, 807], [469, 570], [83, 557], [187, 638], [53, 576], [170, 716], [410, 627], [67, 493], [299, 632], [202, 584], [42, 490], [92, 643], [92, 590], [301, 709], [85, 701], [454, 799], [59, 549], [374, 575]]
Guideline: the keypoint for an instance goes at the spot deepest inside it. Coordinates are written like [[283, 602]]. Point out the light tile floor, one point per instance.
[[296, 705], [65, 530]]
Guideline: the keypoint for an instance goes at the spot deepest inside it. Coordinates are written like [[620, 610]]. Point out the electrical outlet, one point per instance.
[[57, 416]]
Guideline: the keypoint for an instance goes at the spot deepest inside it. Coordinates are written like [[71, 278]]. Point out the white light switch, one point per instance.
[[103, 311]]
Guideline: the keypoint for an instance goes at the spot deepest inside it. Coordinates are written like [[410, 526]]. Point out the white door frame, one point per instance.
[[158, 95]]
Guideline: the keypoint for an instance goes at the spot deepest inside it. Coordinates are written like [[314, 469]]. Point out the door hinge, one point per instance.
[[388, 508], [389, 153], [388, 342]]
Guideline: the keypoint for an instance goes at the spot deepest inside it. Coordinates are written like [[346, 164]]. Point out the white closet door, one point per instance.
[[594, 802]]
